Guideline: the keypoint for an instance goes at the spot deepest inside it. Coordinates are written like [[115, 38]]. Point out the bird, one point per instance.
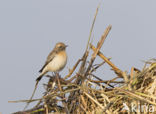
[[56, 60]]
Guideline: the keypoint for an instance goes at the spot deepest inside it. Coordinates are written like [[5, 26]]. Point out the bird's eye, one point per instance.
[[61, 47]]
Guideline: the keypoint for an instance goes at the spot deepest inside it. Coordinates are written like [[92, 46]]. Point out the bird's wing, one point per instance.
[[49, 59]]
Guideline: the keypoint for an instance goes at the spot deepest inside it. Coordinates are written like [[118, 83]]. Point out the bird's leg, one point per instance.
[[56, 73]]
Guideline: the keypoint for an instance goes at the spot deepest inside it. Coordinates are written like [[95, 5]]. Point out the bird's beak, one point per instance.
[[66, 45]]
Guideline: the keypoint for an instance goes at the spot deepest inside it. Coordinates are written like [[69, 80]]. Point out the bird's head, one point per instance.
[[60, 46]]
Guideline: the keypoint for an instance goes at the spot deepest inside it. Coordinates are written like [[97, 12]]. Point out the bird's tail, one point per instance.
[[40, 76]]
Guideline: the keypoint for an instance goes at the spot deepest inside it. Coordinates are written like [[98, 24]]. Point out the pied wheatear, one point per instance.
[[56, 60]]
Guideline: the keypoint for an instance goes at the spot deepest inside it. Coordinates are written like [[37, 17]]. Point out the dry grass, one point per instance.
[[85, 93]]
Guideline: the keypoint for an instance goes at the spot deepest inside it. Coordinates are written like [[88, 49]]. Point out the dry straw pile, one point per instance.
[[85, 93]]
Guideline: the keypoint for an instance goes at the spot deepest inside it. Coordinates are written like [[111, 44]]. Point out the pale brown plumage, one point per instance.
[[55, 62], [58, 51]]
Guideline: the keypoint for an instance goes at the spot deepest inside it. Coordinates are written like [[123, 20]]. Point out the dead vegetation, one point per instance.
[[86, 93]]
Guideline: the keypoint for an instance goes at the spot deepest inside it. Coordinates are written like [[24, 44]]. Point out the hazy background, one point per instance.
[[29, 30]]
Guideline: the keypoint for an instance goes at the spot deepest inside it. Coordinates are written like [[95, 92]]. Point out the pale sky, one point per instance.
[[29, 30]]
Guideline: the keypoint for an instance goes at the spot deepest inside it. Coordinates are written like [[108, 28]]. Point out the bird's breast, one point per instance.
[[58, 62]]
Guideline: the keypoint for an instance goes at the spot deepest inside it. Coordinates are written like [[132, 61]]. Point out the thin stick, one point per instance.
[[24, 101], [94, 100], [62, 96], [91, 30], [71, 71], [105, 81], [116, 69], [99, 45], [32, 95]]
